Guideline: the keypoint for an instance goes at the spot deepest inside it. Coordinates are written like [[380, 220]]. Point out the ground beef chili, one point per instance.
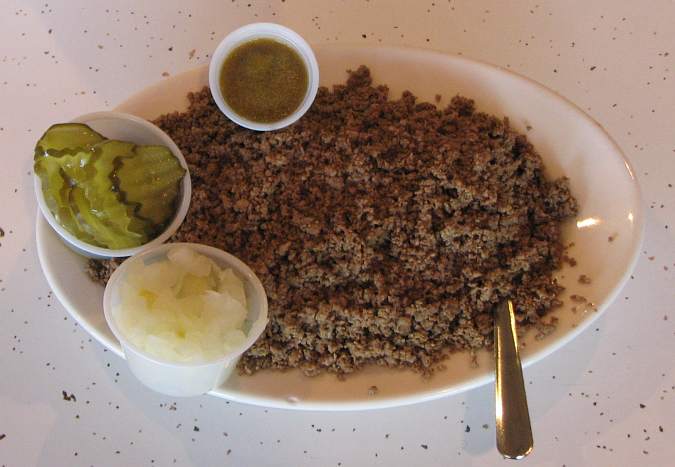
[[384, 231]]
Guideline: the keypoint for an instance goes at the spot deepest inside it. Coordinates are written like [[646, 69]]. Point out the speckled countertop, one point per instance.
[[608, 398]]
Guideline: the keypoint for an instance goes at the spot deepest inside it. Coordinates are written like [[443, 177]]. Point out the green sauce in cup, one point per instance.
[[264, 80]]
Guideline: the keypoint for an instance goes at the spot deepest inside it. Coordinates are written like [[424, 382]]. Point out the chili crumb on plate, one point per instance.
[[384, 230]]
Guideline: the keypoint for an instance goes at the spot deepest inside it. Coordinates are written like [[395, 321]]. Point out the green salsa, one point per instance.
[[263, 80]]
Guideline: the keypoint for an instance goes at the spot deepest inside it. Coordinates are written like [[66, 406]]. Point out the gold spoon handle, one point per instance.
[[514, 433]]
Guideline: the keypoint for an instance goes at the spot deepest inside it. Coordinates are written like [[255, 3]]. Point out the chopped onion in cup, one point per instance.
[[184, 308]]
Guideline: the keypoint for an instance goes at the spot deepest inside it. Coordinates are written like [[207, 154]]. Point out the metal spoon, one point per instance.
[[514, 432]]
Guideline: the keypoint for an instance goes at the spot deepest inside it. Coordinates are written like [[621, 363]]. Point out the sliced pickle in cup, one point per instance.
[[108, 193], [64, 137]]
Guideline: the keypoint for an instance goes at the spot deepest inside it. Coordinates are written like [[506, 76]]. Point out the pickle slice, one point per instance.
[[64, 137], [56, 193], [57, 175], [102, 192], [104, 201], [150, 180], [103, 231], [99, 189], [51, 180], [120, 219]]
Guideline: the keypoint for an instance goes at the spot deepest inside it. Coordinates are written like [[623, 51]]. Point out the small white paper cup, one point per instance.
[[187, 379], [126, 127], [263, 31]]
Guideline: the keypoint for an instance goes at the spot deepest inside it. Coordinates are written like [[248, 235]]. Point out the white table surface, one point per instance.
[[606, 399]]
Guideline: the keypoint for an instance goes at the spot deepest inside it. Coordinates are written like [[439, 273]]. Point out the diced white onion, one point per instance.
[[183, 308]]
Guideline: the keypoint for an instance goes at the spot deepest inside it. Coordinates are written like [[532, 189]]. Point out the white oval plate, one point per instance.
[[571, 144]]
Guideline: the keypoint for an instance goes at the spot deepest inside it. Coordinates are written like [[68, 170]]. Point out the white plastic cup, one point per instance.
[[263, 31], [187, 379], [126, 127]]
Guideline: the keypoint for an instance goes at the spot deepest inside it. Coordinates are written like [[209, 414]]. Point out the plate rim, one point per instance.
[[418, 396]]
